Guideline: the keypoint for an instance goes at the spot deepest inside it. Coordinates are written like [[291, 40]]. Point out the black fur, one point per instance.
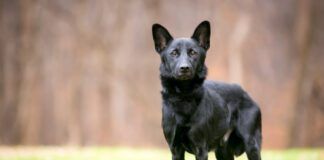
[[201, 116]]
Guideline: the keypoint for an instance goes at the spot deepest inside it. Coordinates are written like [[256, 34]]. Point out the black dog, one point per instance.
[[201, 116]]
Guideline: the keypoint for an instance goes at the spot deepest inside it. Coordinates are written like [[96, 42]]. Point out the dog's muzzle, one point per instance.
[[184, 74]]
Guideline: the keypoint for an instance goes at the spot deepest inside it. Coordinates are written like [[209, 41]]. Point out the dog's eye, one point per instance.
[[192, 53], [174, 53]]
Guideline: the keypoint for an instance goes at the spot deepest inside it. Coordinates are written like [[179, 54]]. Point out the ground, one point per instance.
[[120, 153]]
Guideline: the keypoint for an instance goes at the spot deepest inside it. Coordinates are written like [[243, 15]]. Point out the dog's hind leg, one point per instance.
[[252, 148], [249, 128], [252, 145]]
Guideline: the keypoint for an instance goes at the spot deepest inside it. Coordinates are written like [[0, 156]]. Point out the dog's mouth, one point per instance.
[[184, 76]]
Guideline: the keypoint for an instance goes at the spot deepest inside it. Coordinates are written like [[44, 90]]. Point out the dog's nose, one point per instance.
[[184, 68]]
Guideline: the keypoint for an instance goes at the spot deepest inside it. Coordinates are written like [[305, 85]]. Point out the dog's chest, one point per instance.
[[183, 109]]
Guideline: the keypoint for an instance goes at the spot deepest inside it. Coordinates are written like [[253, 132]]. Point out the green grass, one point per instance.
[[105, 153]]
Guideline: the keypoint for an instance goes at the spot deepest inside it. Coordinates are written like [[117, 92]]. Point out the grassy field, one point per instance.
[[105, 153]]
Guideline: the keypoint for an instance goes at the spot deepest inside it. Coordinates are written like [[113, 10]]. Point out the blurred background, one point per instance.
[[77, 72]]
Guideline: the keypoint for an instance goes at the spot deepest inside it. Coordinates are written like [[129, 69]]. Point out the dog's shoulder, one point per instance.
[[225, 90], [222, 86]]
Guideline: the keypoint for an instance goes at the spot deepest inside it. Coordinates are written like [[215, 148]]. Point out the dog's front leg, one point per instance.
[[173, 136], [201, 153], [177, 153], [199, 143]]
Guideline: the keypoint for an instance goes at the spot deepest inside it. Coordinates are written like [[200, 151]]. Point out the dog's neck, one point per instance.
[[184, 87]]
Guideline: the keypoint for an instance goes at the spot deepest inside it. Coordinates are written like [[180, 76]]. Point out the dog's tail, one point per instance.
[[235, 144]]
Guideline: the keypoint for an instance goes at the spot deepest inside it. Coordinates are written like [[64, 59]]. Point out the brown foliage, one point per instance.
[[86, 73]]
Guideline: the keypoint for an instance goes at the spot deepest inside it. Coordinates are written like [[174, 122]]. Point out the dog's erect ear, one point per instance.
[[202, 34], [161, 37]]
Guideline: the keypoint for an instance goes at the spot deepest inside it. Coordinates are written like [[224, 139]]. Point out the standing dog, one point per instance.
[[201, 116]]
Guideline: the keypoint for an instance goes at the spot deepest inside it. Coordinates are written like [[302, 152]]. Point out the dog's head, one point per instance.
[[182, 58]]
